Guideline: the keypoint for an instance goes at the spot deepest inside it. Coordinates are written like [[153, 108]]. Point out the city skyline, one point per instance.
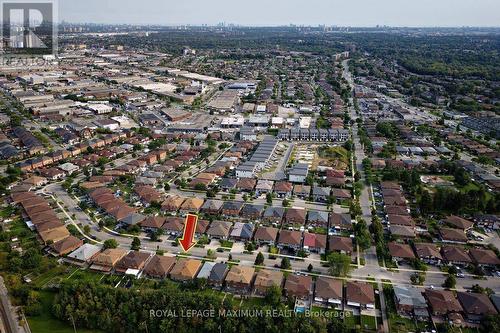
[[362, 13]]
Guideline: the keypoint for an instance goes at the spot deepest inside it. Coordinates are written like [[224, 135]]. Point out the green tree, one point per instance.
[[273, 295], [259, 260], [31, 258], [450, 282], [339, 264], [285, 263], [362, 235], [269, 198], [425, 203], [136, 244], [110, 244]]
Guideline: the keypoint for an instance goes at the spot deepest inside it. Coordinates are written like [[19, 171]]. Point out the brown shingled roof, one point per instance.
[[360, 292], [159, 266], [484, 257], [400, 250]]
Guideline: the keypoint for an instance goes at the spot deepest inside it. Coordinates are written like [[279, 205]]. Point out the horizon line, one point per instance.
[[289, 25]]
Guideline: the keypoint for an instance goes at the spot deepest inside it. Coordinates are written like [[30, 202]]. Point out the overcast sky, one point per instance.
[[283, 12]]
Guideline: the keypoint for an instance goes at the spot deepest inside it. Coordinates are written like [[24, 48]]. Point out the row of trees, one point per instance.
[[452, 201], [94, 306]]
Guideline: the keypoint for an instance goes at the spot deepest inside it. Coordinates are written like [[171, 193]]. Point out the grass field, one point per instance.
[[46, 323], [368, 322]]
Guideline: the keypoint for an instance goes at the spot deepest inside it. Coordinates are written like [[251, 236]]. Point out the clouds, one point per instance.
[[283, 12]]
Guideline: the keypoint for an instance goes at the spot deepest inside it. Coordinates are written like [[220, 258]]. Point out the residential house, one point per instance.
[[298, 173], [449, 235], [299, 286], [201, 227], [487, 221], [283, 189], [458, 222], [410, 302], [84, 254], [203, 179], [455, 255], [134, 261], [242, 231], [239, 279], [328, 292], [290, 239], [295, 216], [484, 257], [107, 259], [35, 182], [54, 235], [321, 194], [66, 245], [252, 212], [340, 222], [231, 208], [159, 266], [263, 187], [273, 215], [228, 184], [476, 306], [217, 275], [52, 173], [172, 203], [246, 184], [266, 235], [341, 195], [191, 205], [265, 279], [396, 210], [400, 252], [402, 231], [185, 269], [219, 230], [302, 191], [132, 219], [360, 295], [173, 225], [428, 253], [315, 243], [152, 223], [316, 218], [405, 220], [148, 194], [442, 302], [340, 244], [212, 206], [205, 270]]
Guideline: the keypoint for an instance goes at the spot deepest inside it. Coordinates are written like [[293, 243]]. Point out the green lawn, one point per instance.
[[253, 302], [368, 322], [350, 320], [226, 244], [52, 275], [400, 324], [46, 323], [84, 275]]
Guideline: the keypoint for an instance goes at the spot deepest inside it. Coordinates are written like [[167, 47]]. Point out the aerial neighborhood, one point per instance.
[[330, 180]]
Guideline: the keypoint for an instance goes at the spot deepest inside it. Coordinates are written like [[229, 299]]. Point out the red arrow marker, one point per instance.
[[187, 240]]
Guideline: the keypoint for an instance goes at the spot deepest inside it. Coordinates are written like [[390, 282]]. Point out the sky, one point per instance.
[[362, 13]]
